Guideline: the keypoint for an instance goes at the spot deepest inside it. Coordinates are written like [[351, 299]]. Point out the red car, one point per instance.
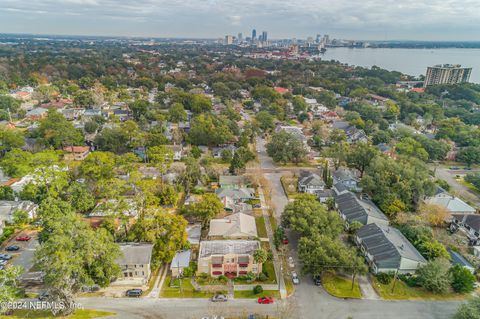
[[23, 238], [265, 300], [285, 241]]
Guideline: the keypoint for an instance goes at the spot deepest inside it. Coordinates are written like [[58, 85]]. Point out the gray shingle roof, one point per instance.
[[356, 209], [387, 245], [135, 253], [311, 179]]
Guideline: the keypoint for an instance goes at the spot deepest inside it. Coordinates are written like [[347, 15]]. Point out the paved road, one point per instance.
[[310, 301], [24, 257], [448, 175]]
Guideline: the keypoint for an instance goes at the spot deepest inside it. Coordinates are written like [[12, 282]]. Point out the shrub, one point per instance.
[[384, 278], [462, 279], [262, 277], [257, 289], [411, 281], [222, 278]]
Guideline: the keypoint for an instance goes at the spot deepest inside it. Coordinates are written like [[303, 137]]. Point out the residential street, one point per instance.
[[460, 190]]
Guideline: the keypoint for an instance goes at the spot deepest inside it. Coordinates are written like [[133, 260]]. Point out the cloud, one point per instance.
[[219, 17]]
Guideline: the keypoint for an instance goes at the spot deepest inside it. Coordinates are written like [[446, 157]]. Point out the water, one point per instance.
[[408, 61]]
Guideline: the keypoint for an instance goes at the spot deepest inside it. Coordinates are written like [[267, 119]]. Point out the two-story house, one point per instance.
[[134, 263], [235, 226], [230, 258], [309, 182], [359, 208], [76, 153]]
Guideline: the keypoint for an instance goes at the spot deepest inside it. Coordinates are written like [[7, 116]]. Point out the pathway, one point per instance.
[[162, 273], [366, 287]]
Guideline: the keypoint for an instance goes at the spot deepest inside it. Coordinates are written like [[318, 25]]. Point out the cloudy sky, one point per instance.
[[354, 19]]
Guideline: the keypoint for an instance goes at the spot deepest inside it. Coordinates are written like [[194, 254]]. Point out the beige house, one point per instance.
[[231, 258], [76, 153], [134, 264], [235, 226]]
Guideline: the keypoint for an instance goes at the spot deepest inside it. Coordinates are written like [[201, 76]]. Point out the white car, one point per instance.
[[295, 278]]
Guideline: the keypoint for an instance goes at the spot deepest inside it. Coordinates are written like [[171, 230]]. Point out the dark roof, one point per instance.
[[340, 187], [135, 253], [357, 209], [458, 259], [387, 245], [470, 220], [310, 178]]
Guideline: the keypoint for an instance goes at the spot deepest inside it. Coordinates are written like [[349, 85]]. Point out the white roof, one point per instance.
[[453, 204], [181, 259], [235, 225], [224, 247]]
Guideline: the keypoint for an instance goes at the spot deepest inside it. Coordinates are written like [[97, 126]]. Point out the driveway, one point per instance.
[[460, 190], [24, 257]]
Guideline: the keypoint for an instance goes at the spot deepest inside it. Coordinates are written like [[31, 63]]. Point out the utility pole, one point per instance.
[[394, 280]]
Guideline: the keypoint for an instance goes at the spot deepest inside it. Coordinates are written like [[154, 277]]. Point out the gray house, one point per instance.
[[386, 249], [134, 264], [352, 208], [309, 182], [348, 178]]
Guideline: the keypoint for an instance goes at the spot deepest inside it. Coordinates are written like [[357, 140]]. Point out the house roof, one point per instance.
[[224, 247], [458, 259], [8, 207], [453, 204], [344, 174], [387, 245], [470, 220], [311, 179], [235, 193], [181, 259], [76, 149], [234, 225], [194, 233], [135, 253], [358, 209]]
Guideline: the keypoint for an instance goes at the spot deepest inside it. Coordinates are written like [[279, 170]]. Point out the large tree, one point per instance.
[[360, 156], [285, 147], [435, 275], [57, 132]]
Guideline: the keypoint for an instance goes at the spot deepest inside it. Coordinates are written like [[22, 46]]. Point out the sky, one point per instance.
[[349, 19]]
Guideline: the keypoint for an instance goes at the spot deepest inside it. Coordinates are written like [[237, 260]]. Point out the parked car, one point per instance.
[[257, 206], [5, 256], [134, 293], [3, 262], [219, 297], [265, 300], [43, 296], [285, 241], [12, 248], [23, 238], [295, 278], [316, 280]]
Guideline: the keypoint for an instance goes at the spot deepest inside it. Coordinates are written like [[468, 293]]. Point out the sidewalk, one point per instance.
[[162, 273], [368, 292]]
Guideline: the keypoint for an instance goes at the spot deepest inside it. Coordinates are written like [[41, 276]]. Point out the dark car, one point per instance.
[[12, 248], [43, 296], [134, 293], [316, 280], [219, 298], [5, 256]]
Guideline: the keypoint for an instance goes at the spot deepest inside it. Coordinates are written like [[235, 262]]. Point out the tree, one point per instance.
[[299, 104], [306, 215], [469, 310], [208, 207], [360, 156], [98, 166], [177, 113], [56, 131], [474, 179], [166, 231], [161, 157], [433, 249], [139, 109], [462, 279], [83, 98], [469, 155], [192, 173], [6, 193], [79, 197], [260, 256], [410, 147], [113, 140], [434, 214], [91, 127], [208, 129], [265, 120], [242, 156], [10, 139], [435, 275], [285, 147], [20, 217], [9, 286]]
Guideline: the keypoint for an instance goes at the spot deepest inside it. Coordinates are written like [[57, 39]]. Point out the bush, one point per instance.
[[262, 277], [384, 278], [222, 278], [411, 281], [462, 279], [7, 232], [257, 289]]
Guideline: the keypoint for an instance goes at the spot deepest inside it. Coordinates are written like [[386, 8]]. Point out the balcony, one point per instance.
[[216, 265], [243, 265]]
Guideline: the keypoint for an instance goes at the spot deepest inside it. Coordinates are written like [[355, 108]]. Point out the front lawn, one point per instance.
[[262, 231], [404, 292], [250, 295], [43, 314], [340, 287], [186, 290], [290, 186]]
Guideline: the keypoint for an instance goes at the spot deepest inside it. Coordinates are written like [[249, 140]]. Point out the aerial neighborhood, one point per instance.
[[160, 172]]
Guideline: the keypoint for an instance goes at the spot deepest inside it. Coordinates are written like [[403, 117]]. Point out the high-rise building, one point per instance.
[[317, 39], [447, 74], [240, 37], [254, 35], [264, 36], [228, 39]]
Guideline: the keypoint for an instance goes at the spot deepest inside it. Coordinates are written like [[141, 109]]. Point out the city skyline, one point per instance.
[[371, 20]]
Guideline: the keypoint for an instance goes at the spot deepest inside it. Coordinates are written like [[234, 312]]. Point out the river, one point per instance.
[[408, 61]]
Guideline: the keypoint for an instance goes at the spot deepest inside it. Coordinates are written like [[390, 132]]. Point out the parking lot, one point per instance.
[[24, 256]]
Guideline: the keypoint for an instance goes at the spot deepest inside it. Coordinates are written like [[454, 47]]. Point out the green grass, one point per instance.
[[468, 185], [42, 314], [270, 270], [404, 292], [340, 287], [250, 295], [187, 290], [262, 231], [273, 222], [293, 181]]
